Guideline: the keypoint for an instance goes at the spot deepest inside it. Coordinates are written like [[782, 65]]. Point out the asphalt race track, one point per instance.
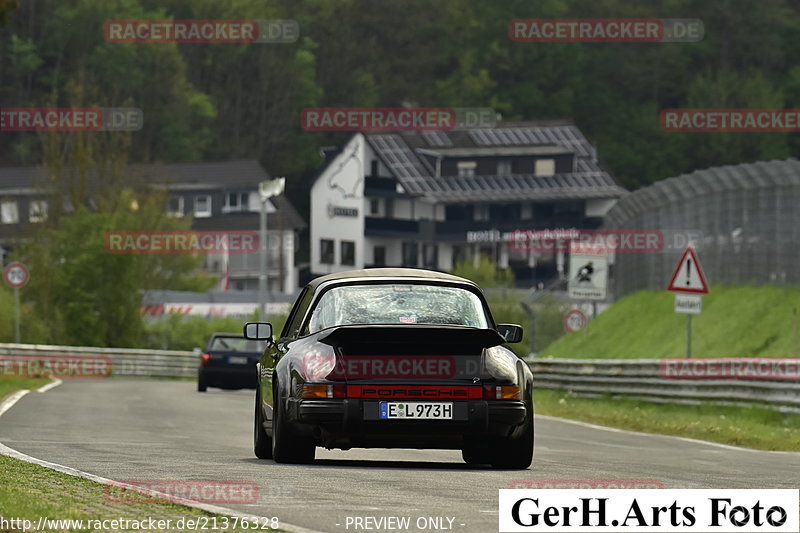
[[159, 430]]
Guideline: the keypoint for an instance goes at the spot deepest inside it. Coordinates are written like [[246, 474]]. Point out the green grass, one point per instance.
[[750, 427], [740, 321], [29, 491], [11, 385]]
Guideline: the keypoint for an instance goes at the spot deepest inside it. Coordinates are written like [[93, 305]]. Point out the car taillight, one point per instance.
[[205, 358], [501, 392], [323, 391]]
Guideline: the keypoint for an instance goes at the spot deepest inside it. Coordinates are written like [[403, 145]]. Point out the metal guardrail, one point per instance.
[[642, 378], [124, 361]]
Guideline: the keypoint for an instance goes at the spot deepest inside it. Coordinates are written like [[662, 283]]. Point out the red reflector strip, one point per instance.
[[402, 391]]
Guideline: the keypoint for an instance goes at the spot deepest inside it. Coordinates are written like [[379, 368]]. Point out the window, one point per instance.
[[202, 206], [397, 303], [504, 212], [379, 256], [373, 168], [410, 252], [504, 167], [430, 256], [175, 206], [466, 169], [8, 212], [545, 167], [326, 251], [481, 212], [374, 206], [236, 201], [37, 211], [348, 251], [389, 208]]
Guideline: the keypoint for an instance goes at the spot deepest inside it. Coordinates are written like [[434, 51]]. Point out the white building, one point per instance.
[[432, 199]]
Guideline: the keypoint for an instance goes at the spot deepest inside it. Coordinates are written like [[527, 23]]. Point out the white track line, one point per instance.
[[52, 385], [11, 400], [659, 435], [215, 509]]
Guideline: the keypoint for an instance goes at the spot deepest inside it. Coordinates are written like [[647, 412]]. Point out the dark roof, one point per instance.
[[229, 174], [399, 273], [401, 153], [15, 180]]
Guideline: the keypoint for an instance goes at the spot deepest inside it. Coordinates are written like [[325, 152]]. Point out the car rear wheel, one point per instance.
[[514, 452], [475, 455], [262, 443], [202, 386], [286, 446]]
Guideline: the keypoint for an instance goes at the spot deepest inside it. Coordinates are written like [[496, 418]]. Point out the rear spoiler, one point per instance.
[[412, 333]]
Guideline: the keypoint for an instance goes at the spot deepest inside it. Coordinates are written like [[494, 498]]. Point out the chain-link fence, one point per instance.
[[744, 220]]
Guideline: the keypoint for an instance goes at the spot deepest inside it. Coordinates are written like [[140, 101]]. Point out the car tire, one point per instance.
[[286, 446], [202, 386], [475, 455], [262, 443], [514, 452]]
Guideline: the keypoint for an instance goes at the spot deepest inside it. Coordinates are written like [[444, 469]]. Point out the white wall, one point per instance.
[[340, 185]]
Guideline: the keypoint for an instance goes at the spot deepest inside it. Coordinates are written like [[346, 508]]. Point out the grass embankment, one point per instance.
[[29, 491], [752, 427], [11, 385], [735, 322]]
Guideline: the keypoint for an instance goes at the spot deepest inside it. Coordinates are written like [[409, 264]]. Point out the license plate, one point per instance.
[[417, 410], [237, 360]]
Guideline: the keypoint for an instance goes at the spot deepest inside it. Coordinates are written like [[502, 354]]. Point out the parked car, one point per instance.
[[392, 358], [229, 362]]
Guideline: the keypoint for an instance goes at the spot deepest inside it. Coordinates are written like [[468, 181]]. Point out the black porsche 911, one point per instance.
[[393, 358]]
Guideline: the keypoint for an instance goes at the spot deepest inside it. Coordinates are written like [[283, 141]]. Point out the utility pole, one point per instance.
[[267, 189]]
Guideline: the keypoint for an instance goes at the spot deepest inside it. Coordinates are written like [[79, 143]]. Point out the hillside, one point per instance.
[[736, 322]]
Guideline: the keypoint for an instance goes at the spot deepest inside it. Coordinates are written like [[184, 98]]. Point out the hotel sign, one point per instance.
[[339, 211]]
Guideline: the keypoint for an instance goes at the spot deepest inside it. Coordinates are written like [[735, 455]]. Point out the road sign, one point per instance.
[[574, 320], [16, 275], [588, 273], [688, 304], [688, 276]]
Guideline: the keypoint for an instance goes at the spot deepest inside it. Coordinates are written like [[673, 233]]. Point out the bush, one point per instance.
[[178, 332], [486, 274]]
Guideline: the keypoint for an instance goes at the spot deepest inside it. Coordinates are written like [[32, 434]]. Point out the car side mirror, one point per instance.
[[510, 332], [258, 331]]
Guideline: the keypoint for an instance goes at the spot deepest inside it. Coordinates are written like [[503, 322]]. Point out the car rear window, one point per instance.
[[235, 344], [397, 304]]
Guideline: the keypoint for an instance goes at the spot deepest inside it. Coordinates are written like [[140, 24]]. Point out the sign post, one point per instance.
[[16, 276], [689, 284]]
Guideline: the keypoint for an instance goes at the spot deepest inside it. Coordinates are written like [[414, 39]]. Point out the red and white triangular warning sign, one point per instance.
[[688, 276]]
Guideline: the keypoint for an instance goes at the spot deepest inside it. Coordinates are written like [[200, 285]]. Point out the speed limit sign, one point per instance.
[[16, 275], [574, 320]]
